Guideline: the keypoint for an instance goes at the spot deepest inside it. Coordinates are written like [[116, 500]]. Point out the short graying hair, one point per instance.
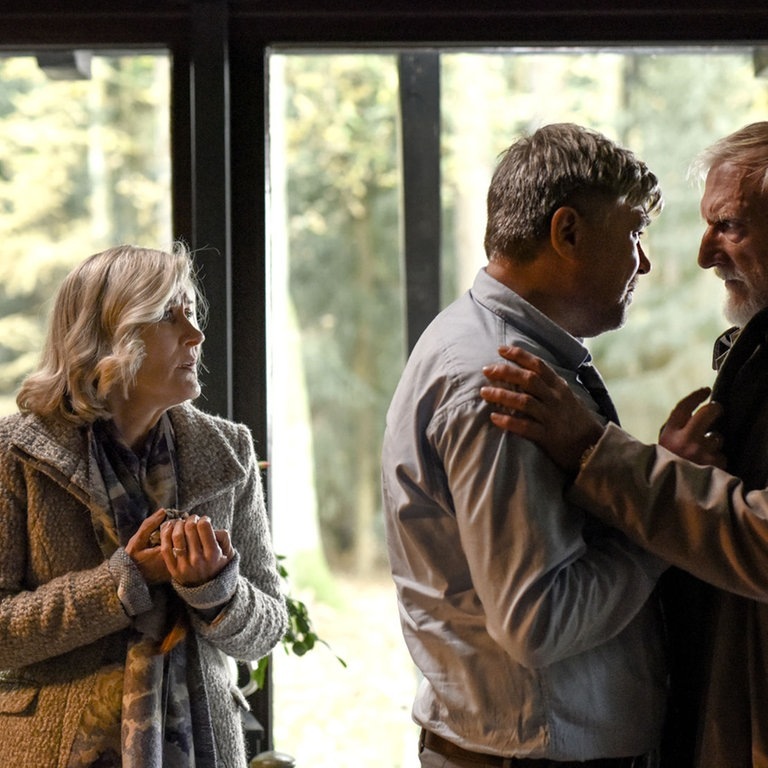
[[558, 165], [746, 148]]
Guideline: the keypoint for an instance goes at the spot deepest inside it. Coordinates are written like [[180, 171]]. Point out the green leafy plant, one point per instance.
[[300, 637]]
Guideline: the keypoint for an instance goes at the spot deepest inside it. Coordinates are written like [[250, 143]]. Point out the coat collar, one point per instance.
[[204, 442], [755, 331], [63, 453]]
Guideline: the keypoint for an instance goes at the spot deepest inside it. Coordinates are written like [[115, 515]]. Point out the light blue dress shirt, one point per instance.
[[530, 621]]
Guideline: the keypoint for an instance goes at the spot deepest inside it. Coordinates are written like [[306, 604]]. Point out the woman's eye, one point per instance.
[[173, 311]]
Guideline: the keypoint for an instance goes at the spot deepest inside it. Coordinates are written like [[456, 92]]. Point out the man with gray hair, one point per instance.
[[532, 625], [711, 523]]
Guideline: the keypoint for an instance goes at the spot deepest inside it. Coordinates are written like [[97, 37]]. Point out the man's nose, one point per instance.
[[708, 250], [644, 267]]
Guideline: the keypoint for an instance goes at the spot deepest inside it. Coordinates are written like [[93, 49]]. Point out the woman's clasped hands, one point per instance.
[[191, 551]]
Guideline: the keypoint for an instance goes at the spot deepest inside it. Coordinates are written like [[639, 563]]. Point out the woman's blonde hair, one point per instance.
[[93, 341]]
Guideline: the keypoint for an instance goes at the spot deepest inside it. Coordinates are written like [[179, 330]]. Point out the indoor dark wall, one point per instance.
[[26, 22]]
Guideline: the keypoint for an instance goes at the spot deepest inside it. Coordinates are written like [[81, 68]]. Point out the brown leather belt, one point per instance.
[[450, 750]]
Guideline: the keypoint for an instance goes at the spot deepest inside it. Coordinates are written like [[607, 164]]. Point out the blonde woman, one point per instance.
[[116, 616]]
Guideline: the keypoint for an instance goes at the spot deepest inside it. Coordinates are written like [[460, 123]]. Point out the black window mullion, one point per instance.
[[211, 216], [419, 74]]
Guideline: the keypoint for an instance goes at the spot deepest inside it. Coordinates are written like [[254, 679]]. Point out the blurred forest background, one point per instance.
[[85, 165], [337, 300], [337, 155]]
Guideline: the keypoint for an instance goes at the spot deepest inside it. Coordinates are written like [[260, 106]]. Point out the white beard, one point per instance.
[[741, 312]]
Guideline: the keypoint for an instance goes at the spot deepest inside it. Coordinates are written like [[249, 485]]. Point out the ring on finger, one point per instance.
[[177, 551], [715, 438]]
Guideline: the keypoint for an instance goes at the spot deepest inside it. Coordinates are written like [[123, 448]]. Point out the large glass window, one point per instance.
[[660, 104], [336, 332], [85, 165]]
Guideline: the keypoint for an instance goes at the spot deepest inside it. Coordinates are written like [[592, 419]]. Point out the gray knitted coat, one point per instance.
[[59, 607]]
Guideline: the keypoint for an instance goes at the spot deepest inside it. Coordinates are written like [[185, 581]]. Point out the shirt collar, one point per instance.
[[565, 349]]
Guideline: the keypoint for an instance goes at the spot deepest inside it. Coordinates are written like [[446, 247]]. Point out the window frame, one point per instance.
[[219, 50]]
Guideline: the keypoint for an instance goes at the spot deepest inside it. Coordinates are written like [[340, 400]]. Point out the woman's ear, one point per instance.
[[564, 230]]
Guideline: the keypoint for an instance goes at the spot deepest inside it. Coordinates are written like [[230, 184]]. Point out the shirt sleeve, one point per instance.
[[698, 518], [553, 581]]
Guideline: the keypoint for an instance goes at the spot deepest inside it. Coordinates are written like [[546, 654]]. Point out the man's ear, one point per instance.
[[564, 229]]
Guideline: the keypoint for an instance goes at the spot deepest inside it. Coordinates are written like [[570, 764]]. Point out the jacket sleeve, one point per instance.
[[698, 518], [255, 617], [57, 592]]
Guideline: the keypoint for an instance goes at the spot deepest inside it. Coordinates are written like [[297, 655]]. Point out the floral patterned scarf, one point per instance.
[[165, 721]]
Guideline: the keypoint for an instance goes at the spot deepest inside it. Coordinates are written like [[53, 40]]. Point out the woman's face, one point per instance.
[[168, 373]]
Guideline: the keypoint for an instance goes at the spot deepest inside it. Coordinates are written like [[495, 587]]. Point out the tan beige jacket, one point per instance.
[[59, 605], [705, 522]]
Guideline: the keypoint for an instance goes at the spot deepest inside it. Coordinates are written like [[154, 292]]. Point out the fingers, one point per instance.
[[518, 424], [145, 552], [689, 431], [533, 402], [146, 535], [143, 538], [510, 400], [225, 544], [681, 413], [184, 539], [214, 543], [179, 539], [528, 362], [707, 416], [520, 356], [695, 421], [510, 385], [193, 550]]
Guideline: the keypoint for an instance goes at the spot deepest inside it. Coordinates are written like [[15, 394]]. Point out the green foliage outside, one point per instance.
[[300, 637], [343, 231], [344, 243], [83, 165]]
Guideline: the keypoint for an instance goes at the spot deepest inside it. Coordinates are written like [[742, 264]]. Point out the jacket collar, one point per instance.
[[756, 329], [62, 452], [204, 442]]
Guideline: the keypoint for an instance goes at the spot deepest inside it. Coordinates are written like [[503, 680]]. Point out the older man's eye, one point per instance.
[[733, 229]]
